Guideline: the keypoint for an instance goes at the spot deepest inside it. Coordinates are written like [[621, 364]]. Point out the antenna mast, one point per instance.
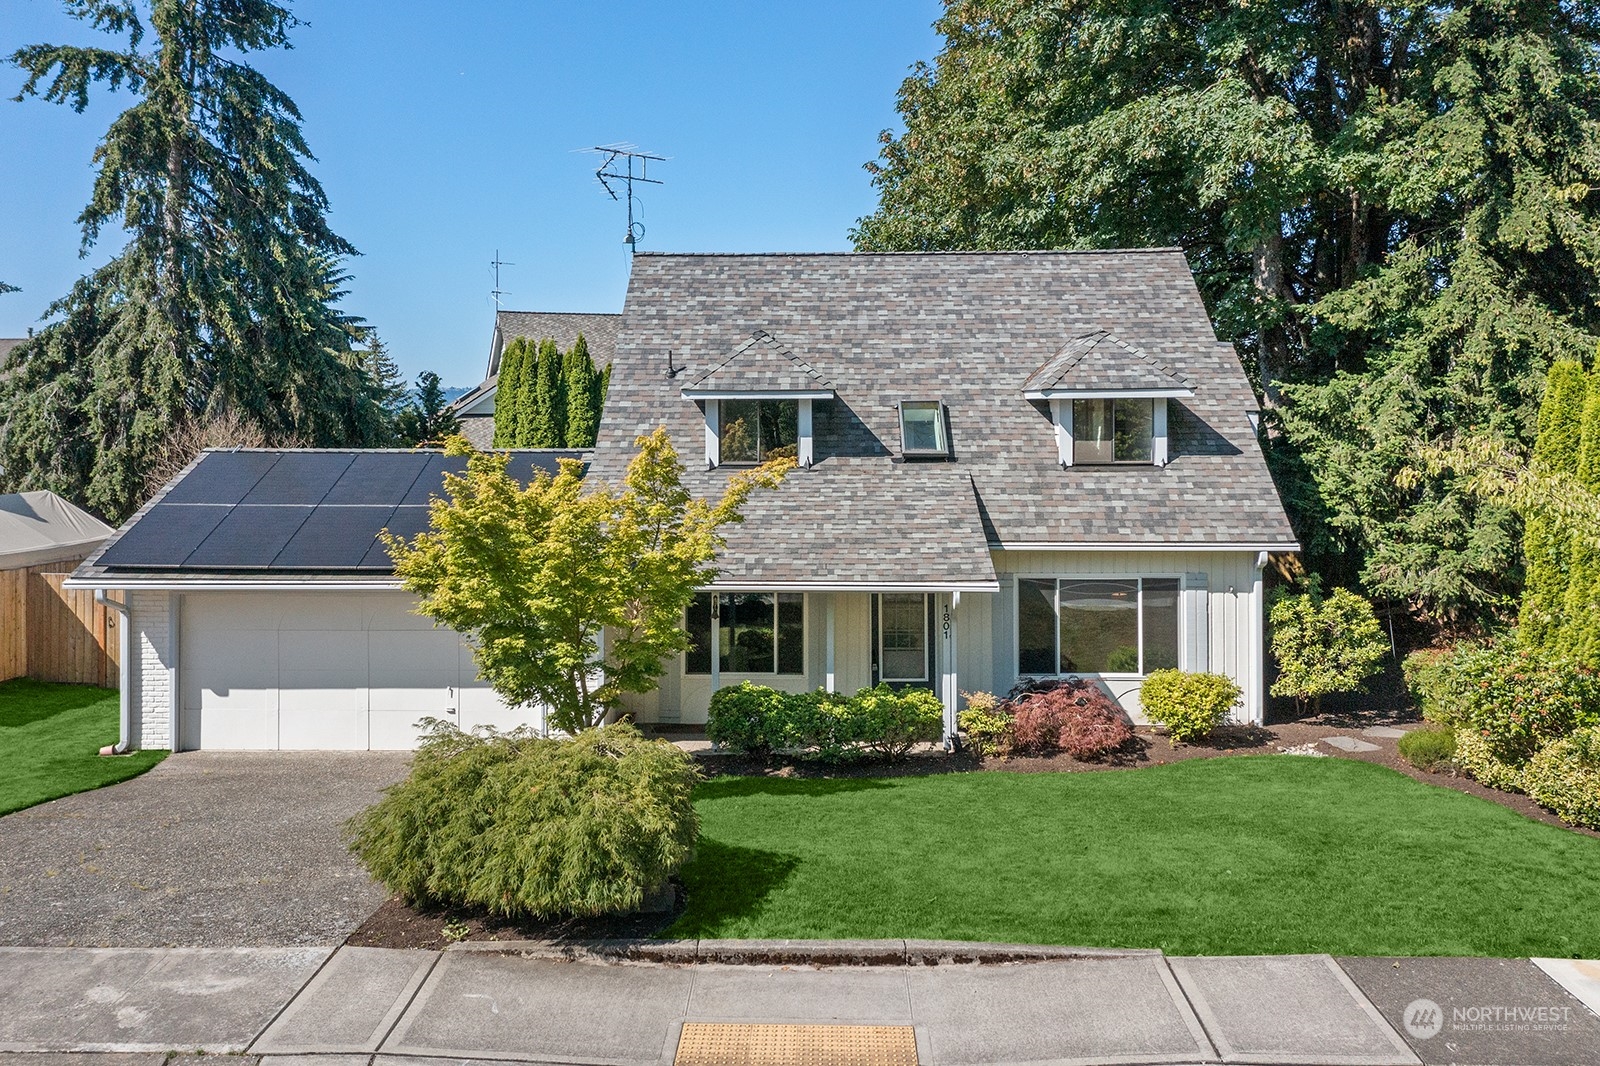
[[497, 291], [609, 172]]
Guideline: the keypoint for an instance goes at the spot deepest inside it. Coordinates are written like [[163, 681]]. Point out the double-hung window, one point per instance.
[[755, 633], [1097, 626], [754, 431]]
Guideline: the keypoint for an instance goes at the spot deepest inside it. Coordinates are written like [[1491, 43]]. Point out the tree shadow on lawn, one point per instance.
[[24, 701], [803, 787], [726, 882]]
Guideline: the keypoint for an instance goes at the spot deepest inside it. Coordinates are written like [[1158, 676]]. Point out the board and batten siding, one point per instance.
[[1230, 612]]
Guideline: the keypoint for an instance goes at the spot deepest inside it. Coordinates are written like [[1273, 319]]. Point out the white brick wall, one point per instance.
[[151, 695]]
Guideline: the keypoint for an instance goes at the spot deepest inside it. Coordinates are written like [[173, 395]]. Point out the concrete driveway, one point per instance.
[[209, 849]]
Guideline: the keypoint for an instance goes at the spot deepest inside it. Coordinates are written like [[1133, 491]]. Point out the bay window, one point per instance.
[[755, 633], [1097, 625]]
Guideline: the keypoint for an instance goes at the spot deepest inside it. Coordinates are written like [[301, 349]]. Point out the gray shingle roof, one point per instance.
[[761, 364], [968, 328], [1098, 361]]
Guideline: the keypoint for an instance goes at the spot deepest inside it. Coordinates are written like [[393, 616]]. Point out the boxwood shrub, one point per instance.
[[524, 825], [1189, 705], [748, 718], [757, 720], [1564, 778]]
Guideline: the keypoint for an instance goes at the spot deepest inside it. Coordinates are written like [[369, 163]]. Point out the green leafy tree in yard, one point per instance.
[[224, 297], [1323, 644], [427, 419], [506, 403], [1389, 207], [582, 383], [534, 575], [548, 428]]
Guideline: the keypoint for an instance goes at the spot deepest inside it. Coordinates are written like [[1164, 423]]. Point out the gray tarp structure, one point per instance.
[[41, 527]]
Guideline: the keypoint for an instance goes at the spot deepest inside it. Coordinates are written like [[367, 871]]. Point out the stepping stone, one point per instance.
[[1349, 744], [1388, 732]]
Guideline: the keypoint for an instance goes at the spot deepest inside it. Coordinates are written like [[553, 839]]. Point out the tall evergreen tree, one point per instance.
[[388, 385], [1548, 548], [601, 389], [1390, 207], [547, 427], [1580, 616], [507, 405], [427, 418], [582, 383], [526, 396], [223, 299]]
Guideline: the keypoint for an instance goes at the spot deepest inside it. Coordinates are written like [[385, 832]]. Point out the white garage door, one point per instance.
[[322, 670]]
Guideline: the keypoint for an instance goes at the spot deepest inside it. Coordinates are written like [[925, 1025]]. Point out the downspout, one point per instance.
[[1258, 650], [124, 667]]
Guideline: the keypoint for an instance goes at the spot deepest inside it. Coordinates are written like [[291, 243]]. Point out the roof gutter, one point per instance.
[[124, 671]]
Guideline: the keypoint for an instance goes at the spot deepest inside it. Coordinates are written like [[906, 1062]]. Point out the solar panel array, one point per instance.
[[294, 511]]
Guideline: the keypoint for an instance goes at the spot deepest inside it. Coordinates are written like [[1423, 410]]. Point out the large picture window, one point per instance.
[[753, 431], [1097, 626], [756, 633], [1113, 431]]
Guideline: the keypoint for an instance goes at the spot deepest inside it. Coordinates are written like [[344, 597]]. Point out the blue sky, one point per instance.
[[446, 130]]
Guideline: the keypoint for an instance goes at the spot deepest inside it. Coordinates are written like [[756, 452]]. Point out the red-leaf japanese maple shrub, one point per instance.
[[1073, 716]]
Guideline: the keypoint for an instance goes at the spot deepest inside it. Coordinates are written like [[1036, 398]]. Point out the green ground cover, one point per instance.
[[50, 738], [1238, 855]]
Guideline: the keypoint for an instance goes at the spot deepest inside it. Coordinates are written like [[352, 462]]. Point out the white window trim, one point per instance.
[[806, 447], [1141, 576], [1061, 416], [927, 638], [746, 675]]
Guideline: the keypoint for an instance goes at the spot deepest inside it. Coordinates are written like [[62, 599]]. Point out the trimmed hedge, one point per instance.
[[1189, 705], [1564, 778], [1475, 756], [1429, 748], [525, 825], [758, 720]]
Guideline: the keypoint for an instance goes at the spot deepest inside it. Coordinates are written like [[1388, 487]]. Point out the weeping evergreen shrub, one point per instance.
[[523, 825]]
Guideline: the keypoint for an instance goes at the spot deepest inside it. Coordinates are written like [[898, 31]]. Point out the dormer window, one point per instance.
[[755, 431], [922, 431], [1114, 430]]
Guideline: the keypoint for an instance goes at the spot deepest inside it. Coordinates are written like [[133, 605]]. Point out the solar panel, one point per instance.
[[222, 477], [333, 537], [406, 522], [248, 539], [523, 464], [300, 477], [378, 478], [430, 482], [165, 536]]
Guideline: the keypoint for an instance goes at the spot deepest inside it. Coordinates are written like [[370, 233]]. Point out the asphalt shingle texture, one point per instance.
[[1097, 361], [762, 364], [968, 329]]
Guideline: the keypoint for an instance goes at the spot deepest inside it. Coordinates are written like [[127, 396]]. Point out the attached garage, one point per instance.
[[322, 671], [262, 610]]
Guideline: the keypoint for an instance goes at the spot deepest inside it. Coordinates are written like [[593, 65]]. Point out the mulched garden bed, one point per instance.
[[395, 925]]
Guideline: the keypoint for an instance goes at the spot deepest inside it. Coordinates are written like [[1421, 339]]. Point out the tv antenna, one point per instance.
[[497, 291], [618, 167]]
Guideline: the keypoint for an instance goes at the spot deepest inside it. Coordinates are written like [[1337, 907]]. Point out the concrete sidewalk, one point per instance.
[[360, 1006]]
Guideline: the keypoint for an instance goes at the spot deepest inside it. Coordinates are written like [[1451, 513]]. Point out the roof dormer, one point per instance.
[[1108, 401], [757, 404]]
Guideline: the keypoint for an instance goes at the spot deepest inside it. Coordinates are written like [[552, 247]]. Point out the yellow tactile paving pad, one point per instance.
[[726, 1044]]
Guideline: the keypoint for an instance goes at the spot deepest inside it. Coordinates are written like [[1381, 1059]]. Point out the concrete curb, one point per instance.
[[796, 952]]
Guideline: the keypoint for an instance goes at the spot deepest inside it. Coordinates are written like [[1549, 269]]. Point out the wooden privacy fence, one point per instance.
[[53, 634]]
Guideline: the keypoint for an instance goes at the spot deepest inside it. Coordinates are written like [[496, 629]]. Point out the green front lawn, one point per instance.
[[1241, 855], [50, 738]]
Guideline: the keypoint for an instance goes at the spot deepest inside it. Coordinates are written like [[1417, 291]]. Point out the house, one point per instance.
[[1010, 464], [475, 409], [263, 612]]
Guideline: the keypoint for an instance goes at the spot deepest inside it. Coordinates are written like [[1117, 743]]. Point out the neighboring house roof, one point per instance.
[[760, 365], [1099, 362], [478, 429], [287, 516], [599, 333], [969, 329], [40, 527]]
